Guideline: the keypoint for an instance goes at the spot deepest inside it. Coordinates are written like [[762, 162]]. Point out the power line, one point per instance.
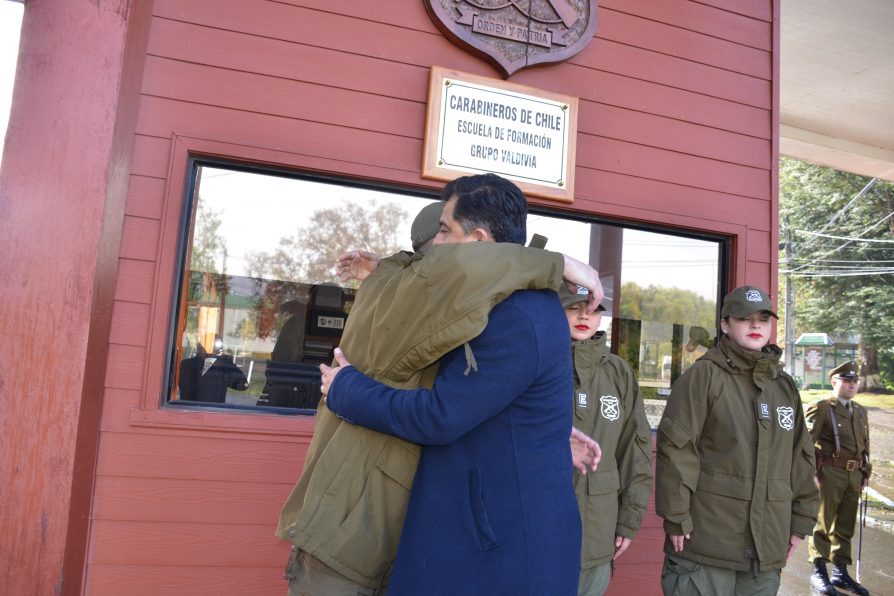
[[842, 274], [842, 261], [834, 250], [858, 239], [838, 213]]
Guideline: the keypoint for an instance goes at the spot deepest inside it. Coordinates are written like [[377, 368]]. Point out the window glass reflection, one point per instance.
[[662, 291], [261, 306]]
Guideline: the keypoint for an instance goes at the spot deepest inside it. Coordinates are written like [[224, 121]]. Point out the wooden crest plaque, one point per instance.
[[516, 34]]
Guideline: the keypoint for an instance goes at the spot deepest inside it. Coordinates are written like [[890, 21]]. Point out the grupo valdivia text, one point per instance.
[[508, 133]]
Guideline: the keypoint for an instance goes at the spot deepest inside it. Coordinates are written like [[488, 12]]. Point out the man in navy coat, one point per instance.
[[492, 509]]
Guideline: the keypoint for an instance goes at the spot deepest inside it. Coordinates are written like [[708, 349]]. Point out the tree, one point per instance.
[[667, 305], [207, 244], [843, 263], [309, 256]]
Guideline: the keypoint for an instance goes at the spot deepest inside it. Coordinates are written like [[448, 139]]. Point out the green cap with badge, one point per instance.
[[848, 370], [746, 300], [426, 225], [581, 295]]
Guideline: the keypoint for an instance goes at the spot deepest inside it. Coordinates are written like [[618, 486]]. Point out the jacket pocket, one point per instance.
[[728, 486], [603, 482], [675, 433], [678, 576], [366, 541], [719, 508], [486, 537], [600, 515], [778, 521], [393, 463]]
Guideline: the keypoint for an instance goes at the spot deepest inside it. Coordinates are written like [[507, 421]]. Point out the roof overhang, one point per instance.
[[837, 84]]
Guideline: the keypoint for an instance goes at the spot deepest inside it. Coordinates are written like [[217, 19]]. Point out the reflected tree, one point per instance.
[[310, 254], [667, 305], [308, 257], [207, 243]]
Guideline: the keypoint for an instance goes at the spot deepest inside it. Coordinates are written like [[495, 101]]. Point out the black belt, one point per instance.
[[839, 462]]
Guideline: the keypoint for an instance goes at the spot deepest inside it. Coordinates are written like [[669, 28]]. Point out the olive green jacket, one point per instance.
[[608, 406], [853, 431], [348, 507], [735, 462]]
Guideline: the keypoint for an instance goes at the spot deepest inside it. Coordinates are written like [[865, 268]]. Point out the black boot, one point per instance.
[[841, 579], [819, 581]]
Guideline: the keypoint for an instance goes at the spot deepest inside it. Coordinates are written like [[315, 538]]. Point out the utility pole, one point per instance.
[[789, 302]]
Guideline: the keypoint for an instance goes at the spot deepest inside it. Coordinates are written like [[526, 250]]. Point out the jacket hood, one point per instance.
[[763, 365], [594, 348]]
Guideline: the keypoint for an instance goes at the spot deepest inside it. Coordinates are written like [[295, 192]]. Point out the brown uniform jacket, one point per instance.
[[348, 507], [853, 432], [735, 465], [608, 406]]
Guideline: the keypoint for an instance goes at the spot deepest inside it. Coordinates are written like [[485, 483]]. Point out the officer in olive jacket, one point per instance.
[[734, 477], [608, 406], [840, 431], [344, 516]]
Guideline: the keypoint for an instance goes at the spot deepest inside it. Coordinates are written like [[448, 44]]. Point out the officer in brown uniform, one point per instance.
[[840, 431], [734, 469]]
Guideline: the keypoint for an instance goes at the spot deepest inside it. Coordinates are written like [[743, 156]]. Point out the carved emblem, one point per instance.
[[516, 34]]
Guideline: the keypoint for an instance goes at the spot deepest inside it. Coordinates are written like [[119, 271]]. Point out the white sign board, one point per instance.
[[483, 126]]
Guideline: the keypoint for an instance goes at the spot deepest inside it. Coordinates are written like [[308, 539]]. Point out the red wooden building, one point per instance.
[[172, 174]]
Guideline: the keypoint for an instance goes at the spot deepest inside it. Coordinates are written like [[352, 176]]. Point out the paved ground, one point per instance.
[[877, 566]]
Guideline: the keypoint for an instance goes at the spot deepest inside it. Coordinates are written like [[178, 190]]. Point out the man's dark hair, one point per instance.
[[490, 202]]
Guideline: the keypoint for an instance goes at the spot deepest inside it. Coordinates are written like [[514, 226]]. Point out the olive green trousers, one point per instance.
[[594, 581], [837, 517], [682, 577]]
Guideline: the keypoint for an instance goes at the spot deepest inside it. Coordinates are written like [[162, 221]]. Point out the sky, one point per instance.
[[10, 23]]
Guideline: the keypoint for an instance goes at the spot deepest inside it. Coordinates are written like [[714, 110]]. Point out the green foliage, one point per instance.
[[886, 364], [836, 289], [667, 305], [208, 245]]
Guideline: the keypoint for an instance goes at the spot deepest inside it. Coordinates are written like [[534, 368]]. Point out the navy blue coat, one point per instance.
[[492, 509]]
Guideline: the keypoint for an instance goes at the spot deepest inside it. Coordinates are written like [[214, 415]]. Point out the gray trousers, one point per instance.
[[309, 577], [682, 577], [594, 581]]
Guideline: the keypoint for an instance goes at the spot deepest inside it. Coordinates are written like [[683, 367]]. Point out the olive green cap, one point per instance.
[[848, 370], [426, 224], [746, 300], [582, 295]]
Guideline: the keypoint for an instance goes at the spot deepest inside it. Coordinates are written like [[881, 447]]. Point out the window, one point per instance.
[[662, 294], [260, 306]]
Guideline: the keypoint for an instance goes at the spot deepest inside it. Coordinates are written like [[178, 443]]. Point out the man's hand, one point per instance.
[[580, 274], [329, 372], [356, 264], [793, 543], [678, 541], [621, 545], [585, 451]]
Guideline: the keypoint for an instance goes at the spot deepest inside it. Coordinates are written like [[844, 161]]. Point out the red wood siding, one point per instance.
[[676, 128], [62, 196]]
